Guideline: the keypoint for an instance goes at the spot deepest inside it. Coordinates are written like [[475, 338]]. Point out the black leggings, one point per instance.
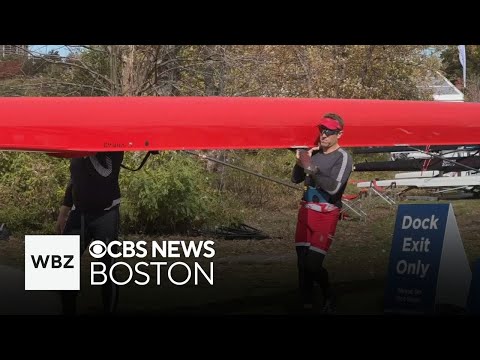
[[102, 226], [310, 270]]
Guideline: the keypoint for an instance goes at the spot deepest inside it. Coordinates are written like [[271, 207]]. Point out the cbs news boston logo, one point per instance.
[[52, 262]]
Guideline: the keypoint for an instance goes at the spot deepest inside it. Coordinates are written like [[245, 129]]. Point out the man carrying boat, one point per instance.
[[90, 209], [325, 171]]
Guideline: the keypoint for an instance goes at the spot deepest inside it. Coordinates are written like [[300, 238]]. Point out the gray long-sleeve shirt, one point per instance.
[[330, 174]]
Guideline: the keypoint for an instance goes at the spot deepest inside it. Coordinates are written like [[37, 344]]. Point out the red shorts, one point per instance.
[[316, 229]]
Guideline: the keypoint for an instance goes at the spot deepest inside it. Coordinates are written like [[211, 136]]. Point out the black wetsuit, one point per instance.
[[93, 193], [325, 185]]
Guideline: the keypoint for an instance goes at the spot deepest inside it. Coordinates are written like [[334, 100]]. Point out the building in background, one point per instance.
[[12, 58], [443, 89], [6, 50]]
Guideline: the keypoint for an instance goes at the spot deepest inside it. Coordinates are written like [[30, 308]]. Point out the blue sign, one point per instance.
[[415, 258]]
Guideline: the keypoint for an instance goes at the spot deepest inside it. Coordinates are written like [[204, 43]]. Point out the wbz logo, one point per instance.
[[55, 260], [52, 262]]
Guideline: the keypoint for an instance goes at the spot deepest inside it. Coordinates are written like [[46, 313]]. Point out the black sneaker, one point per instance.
[[329, 306], [308, 306]]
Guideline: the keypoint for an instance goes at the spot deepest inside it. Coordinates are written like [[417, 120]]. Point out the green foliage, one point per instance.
[[170, 193], [254, 191], [31, 190]]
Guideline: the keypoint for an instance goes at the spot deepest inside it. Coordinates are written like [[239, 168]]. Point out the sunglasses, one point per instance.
[[328, 132]]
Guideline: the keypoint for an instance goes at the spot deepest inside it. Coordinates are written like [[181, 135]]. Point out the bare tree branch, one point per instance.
[[83, 67], [301, 52]]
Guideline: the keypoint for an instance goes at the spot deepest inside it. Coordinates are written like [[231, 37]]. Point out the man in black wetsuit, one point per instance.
[[90, 209]]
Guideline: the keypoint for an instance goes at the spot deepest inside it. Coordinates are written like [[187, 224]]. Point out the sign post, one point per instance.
[[428, 266]]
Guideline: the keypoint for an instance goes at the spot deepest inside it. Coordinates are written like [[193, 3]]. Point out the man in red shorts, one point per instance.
[[325, 171]]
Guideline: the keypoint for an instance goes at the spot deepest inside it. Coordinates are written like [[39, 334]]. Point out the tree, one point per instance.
[[454, 72], [451, 62]]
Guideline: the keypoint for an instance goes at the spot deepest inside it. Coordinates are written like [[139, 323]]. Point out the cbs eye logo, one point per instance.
[[97, 249]]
